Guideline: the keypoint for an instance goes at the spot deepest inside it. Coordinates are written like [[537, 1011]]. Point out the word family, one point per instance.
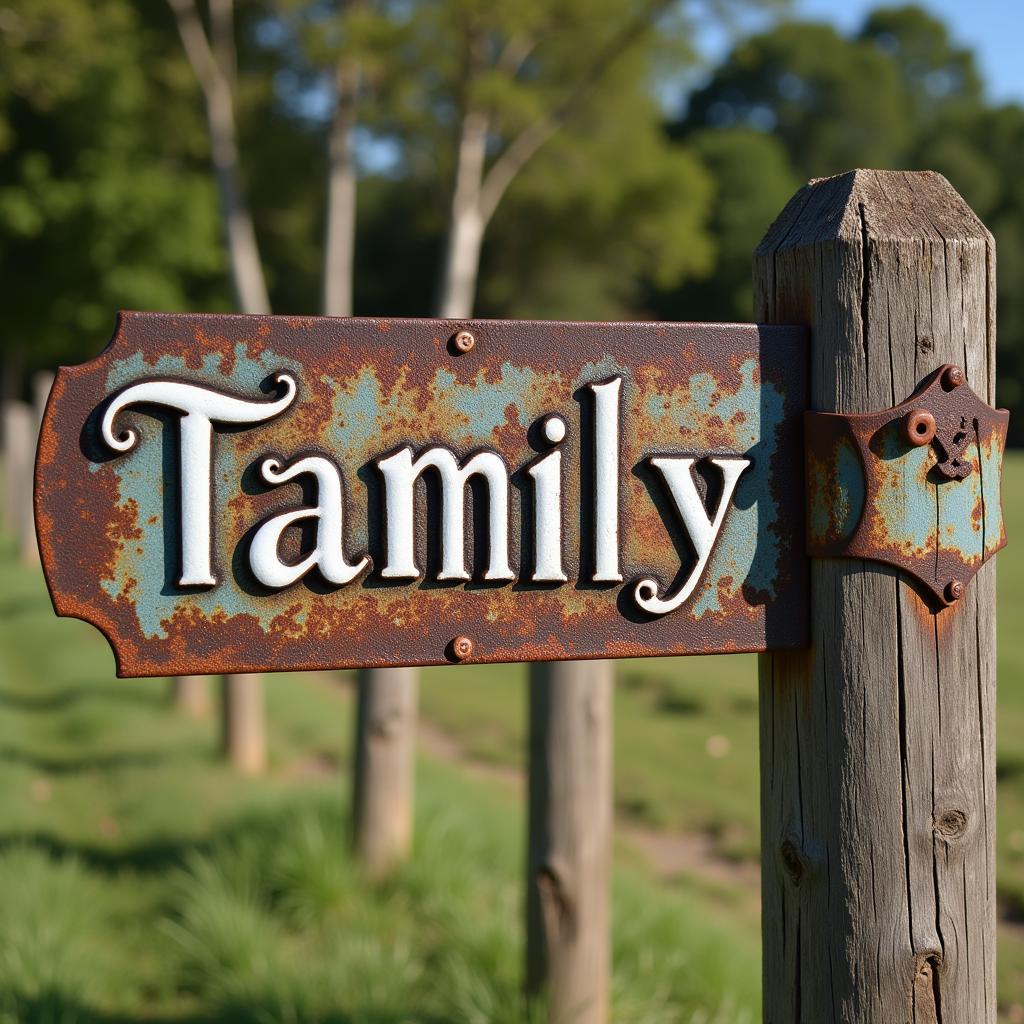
[[199, 410]]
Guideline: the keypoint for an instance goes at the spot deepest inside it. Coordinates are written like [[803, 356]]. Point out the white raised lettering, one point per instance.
[[200, 408], [606, 481], [400, 473], [327, 555], [546, 474], [677, 473]]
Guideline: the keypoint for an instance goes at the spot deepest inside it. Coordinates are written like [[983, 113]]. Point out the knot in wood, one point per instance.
[[951, 824], [557, 905], [388, 724], [793, 860]]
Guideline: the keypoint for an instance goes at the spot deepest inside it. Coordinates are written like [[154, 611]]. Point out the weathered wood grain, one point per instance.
[[569, 853], [385, 762], [877, 756]]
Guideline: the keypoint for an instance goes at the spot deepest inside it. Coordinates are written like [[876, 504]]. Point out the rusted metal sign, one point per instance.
[[916, 486], [236, 493]]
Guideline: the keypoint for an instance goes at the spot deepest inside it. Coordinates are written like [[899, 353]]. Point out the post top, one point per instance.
[[876, 205]]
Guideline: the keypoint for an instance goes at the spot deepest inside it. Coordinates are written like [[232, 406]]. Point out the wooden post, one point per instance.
[[877, 755], [569, 852], [19, 456], [190, 695], [243, 726], [384, 773]]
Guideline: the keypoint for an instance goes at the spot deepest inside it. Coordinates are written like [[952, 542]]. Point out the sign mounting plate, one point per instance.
[[256, 493]]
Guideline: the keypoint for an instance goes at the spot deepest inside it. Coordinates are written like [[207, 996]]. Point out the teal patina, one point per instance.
[[748, 553], [141, 572]]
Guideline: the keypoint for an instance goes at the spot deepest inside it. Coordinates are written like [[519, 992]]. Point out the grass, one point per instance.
[[142, 880]]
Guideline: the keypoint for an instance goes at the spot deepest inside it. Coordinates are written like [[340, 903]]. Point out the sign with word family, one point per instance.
[[256, 493]]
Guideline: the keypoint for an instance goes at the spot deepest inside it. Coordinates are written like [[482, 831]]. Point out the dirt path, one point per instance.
[[669, 854]]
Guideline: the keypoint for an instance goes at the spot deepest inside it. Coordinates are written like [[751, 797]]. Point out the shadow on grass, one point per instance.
[[57, 1008], [129, 692], [92, 762], [267, 826]]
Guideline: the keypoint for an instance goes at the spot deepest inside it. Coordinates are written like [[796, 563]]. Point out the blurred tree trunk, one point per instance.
[[384, 775], [243, 723], [190, 696], [339, 242], [465, 223], [213, 61], [568, 938], [477, 188]]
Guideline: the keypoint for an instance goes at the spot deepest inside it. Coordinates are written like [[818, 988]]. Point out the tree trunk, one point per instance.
[[215, 73], [246, 269], [465, 224], [569, 854], [244, 730], [339, 243], [384, 773], [877, 754], [243, 725], [191, 696]]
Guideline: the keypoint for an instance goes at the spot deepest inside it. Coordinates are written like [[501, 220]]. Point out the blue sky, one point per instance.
[[994, 29]]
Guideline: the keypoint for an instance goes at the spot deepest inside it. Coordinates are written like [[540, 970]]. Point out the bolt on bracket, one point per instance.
[[916, 486]]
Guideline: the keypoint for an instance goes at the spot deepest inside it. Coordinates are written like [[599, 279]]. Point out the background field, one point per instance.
[[142, 880]]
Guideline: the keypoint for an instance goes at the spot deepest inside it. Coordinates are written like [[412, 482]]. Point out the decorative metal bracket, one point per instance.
[[916, 486]]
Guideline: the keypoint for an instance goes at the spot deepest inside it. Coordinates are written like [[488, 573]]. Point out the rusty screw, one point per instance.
[[919, 427], [462, 648], [953, 592], [952, 378], [464, 342]]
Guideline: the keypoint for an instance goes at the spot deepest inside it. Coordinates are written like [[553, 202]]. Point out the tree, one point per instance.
[[212, 55], [938, 76], [752, 179], [105, 200], [607, 205], [802, 86], [833, 102], [500, 81]]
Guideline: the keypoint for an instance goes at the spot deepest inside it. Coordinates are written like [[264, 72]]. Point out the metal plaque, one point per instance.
[[256, 493], [917, 486]]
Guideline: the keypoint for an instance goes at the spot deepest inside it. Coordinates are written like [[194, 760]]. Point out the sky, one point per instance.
[[994, 29]]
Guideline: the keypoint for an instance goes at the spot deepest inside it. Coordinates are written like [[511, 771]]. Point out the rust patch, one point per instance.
[[916, 486]]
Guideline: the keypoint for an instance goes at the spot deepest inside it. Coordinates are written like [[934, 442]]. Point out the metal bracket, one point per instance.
[[916, 486]]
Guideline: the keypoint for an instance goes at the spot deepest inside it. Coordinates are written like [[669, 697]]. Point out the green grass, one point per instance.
[[140, 879]]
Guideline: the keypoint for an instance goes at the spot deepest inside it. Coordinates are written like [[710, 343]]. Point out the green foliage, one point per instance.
[[802, 88], [50, 916], [608, 205], [806, 84], [141, 879], [105, 198], [753, 180]]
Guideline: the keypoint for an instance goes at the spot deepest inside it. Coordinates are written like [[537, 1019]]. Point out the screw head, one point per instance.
[[464, 341], [918, 427], [953, 378], [954, 591], [462, 648]]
